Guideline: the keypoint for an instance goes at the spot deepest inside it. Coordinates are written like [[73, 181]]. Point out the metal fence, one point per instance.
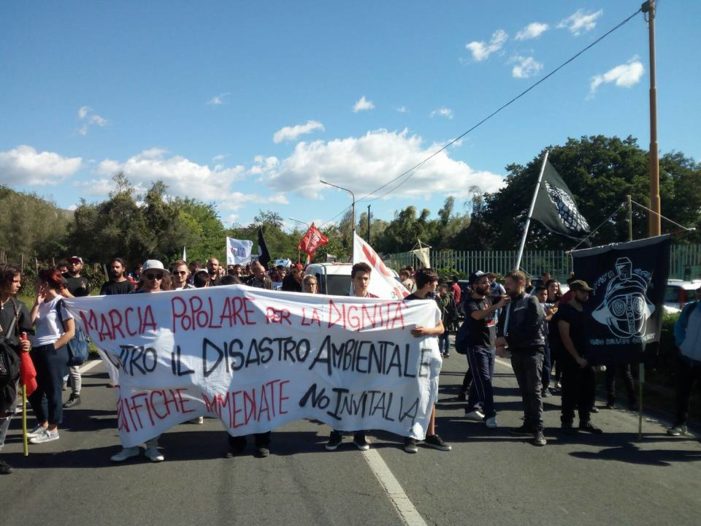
[[685, 261]]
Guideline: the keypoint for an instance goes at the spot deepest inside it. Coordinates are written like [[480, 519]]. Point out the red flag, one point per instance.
[[312, 240], [27, 372]]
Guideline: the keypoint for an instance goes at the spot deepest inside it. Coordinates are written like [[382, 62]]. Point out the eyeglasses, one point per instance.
[[154, 276]]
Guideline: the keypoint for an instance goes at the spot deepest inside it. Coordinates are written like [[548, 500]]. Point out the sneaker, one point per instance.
[[523, 431], [72, 401], [361, 442], [539, 438], [588, 427], [411, 445], [335, 439], [544, 393], [446, 355], [36, 431], [124, 454], [262, 452], [5, 468], [491, 422], [436, 442], [153, 454], [594, 409], [677, 430], [474, 416], [45, 436]]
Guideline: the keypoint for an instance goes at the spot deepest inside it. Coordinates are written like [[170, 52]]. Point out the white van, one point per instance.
[[333, 278]]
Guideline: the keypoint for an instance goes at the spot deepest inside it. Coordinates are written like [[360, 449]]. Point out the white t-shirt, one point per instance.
[[48, 327]]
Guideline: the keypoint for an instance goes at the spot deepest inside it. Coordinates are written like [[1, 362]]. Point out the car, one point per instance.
[[333, 278], [678, 292]]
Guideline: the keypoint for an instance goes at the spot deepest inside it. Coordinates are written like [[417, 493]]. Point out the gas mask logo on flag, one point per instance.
[[626, 307]]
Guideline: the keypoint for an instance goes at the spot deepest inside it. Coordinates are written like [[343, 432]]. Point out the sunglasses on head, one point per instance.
[[154, 276]]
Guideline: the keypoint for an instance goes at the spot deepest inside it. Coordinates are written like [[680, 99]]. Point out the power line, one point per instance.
[[406, 175]]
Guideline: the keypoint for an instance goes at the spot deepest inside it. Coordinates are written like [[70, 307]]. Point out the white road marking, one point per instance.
[[406, 509], [91, 364]]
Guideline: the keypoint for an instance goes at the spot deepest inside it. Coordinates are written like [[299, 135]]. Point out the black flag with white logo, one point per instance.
[[555, 207], [626, 303]]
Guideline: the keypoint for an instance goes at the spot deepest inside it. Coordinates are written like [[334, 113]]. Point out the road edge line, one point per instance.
[[406, 509]]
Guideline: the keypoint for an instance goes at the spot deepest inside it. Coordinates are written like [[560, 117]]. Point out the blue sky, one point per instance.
[[249, 104]]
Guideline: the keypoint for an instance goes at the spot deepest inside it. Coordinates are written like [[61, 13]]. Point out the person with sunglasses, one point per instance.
[[180, 276], [154, 278]]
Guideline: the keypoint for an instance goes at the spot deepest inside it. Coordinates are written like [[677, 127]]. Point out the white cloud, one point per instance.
[[532, 30], [218, 100], [182, 176], [623, 76], [89, 118], [402, 109], [363, 104], [364, 163], [290, 133], [24, 165], [580, 22], [481, 50], [525, 67], [442, 112]]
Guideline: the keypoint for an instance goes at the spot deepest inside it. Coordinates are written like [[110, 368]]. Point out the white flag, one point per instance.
[[238, 251], [383, 284]]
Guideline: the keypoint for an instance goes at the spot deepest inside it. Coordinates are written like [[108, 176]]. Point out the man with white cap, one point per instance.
[[153, 275]]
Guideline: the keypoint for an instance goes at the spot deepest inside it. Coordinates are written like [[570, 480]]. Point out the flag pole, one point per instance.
[[25, 445], [530, 212]]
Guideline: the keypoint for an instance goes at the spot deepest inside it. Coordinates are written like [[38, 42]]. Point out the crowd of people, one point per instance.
[[542, 330]]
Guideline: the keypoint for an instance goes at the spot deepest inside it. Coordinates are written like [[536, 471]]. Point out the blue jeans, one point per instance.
[[444, 342], [51, 365], [528, 366], [481, 360]]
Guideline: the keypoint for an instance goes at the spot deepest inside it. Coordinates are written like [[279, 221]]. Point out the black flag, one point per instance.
[[555, 207], [263, 254], [626, 303]]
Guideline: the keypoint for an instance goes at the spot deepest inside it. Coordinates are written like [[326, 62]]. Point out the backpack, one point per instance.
[[77, 346]]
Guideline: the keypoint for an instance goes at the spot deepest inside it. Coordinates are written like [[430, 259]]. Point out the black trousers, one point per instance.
[[578, 391]]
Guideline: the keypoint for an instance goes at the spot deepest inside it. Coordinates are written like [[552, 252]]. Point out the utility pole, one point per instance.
[[655, 216]]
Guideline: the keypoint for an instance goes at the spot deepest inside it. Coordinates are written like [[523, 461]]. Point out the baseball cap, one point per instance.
[[579, 284], [75, 258], [476, 275]]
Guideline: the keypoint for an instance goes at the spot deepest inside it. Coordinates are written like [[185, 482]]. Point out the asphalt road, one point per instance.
[[489, 478]]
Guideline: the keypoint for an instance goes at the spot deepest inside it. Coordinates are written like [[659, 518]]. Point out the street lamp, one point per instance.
[[345, 190]]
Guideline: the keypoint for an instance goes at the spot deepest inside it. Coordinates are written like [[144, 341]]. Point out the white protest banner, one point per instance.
[[382, 282], [238, 251], [257, 359]]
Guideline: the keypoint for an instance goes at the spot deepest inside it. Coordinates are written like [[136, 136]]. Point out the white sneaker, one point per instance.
[[153, 454], [491, 422], [475, 416], [45, 436], [124, 454], [36, 431]]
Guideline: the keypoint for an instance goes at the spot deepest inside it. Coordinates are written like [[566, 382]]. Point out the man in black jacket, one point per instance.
[[14, 320], [521, 329]]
